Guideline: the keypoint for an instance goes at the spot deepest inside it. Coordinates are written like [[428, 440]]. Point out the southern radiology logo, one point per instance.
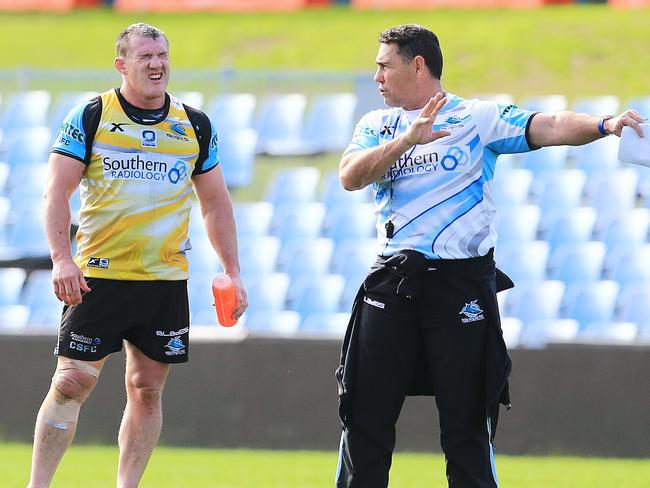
[[118, 166], [472, 312], [428, 162]]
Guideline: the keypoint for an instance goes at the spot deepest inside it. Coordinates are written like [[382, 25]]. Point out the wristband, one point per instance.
[[601, 125]]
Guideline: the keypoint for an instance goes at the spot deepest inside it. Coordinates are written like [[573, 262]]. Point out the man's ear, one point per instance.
[[419, 64], [119, 65]]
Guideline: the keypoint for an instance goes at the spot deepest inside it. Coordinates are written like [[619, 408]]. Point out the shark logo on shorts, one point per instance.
[[472, 312], [176, 347]]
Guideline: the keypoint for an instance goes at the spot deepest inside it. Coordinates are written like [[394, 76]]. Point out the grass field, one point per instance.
[[94, 467], [573, 50]]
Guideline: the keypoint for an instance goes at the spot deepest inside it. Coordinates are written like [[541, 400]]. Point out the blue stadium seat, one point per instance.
[[511, 187], [570, 226], [545, 160], [12, 280], [303, 221], [279, 121], [523, 262], [4, 211], [329, 324], [194, 99], [28, 146], [641, 105], [612, 190], [535, 301], [202, 257], [577, 262], [44, 308], [231, 113], [237, 157], [26, 237], [306, 257], [26, 186], [539, 333], [610, 332], [4, 175], [293, 185], [511, 327], [328, 127], [335, 195], [354, 221], [280, 323], [545, 103], [253, 219], [517, 224], [24, 109], [625, 227], [628, 263], [591, 302], [66, 102], [597, 156], [354, 257], [632, 303], [560, 190], [13, 319], [309, 295], [267, 292], [598, 105], [259, 255]]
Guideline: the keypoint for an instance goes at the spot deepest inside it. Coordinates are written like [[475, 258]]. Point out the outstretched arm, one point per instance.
[[216, 208], [574, 129], [360, 168]]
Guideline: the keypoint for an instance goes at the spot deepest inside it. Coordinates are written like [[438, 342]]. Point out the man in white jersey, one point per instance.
[[426, 319], [139, 154]]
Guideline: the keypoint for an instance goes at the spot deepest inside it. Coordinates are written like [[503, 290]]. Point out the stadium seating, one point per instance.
[[577, 262], [327, 127], [237, 157], [510, 188], [517, 224], [330, 324], [523, 262], [591, 302], [12, 280], [24, 109], [568, 219], [279, 121], [570, 226], [231, 113], [294, 185]]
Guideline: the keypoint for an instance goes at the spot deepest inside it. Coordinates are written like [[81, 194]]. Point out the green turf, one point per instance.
[[573, 50], [94, 467]]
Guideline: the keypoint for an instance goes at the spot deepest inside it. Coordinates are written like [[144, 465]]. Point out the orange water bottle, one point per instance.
[[225, 299]]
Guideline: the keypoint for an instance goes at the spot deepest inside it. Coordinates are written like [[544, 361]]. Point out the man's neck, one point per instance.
[[142, 103], [423, 96]]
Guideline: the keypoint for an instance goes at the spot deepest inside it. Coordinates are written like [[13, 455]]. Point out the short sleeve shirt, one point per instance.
[[136, 187], [439, 195]]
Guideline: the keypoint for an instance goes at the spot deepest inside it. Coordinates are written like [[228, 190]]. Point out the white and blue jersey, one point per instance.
[[441, 202]]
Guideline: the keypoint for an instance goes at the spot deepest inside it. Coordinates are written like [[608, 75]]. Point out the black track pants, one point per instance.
[[391, 332]]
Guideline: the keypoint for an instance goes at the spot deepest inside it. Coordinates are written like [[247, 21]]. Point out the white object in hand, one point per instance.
[[635, 149]]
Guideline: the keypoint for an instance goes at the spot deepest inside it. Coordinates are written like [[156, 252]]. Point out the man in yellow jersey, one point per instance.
[[138, 154]]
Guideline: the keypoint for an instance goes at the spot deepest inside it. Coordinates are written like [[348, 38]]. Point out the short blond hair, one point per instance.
[[137, 30]]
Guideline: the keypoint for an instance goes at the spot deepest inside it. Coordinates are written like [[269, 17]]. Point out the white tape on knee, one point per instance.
[[64, 415], [60, 415]]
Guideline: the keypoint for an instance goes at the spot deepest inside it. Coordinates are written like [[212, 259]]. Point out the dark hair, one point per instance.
[[137, 30], [414, 40]]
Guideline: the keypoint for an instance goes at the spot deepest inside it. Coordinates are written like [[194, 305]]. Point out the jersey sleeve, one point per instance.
[[504, 128], [206, 135], [77, 131], [366, 133]]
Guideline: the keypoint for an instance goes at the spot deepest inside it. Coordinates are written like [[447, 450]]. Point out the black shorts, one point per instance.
[[151, 315]]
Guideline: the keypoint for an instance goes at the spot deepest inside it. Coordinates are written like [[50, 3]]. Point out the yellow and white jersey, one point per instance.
[[136, 188]]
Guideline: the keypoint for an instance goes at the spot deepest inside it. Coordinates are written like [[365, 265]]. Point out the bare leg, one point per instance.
[[142, 421], [52, 438]]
